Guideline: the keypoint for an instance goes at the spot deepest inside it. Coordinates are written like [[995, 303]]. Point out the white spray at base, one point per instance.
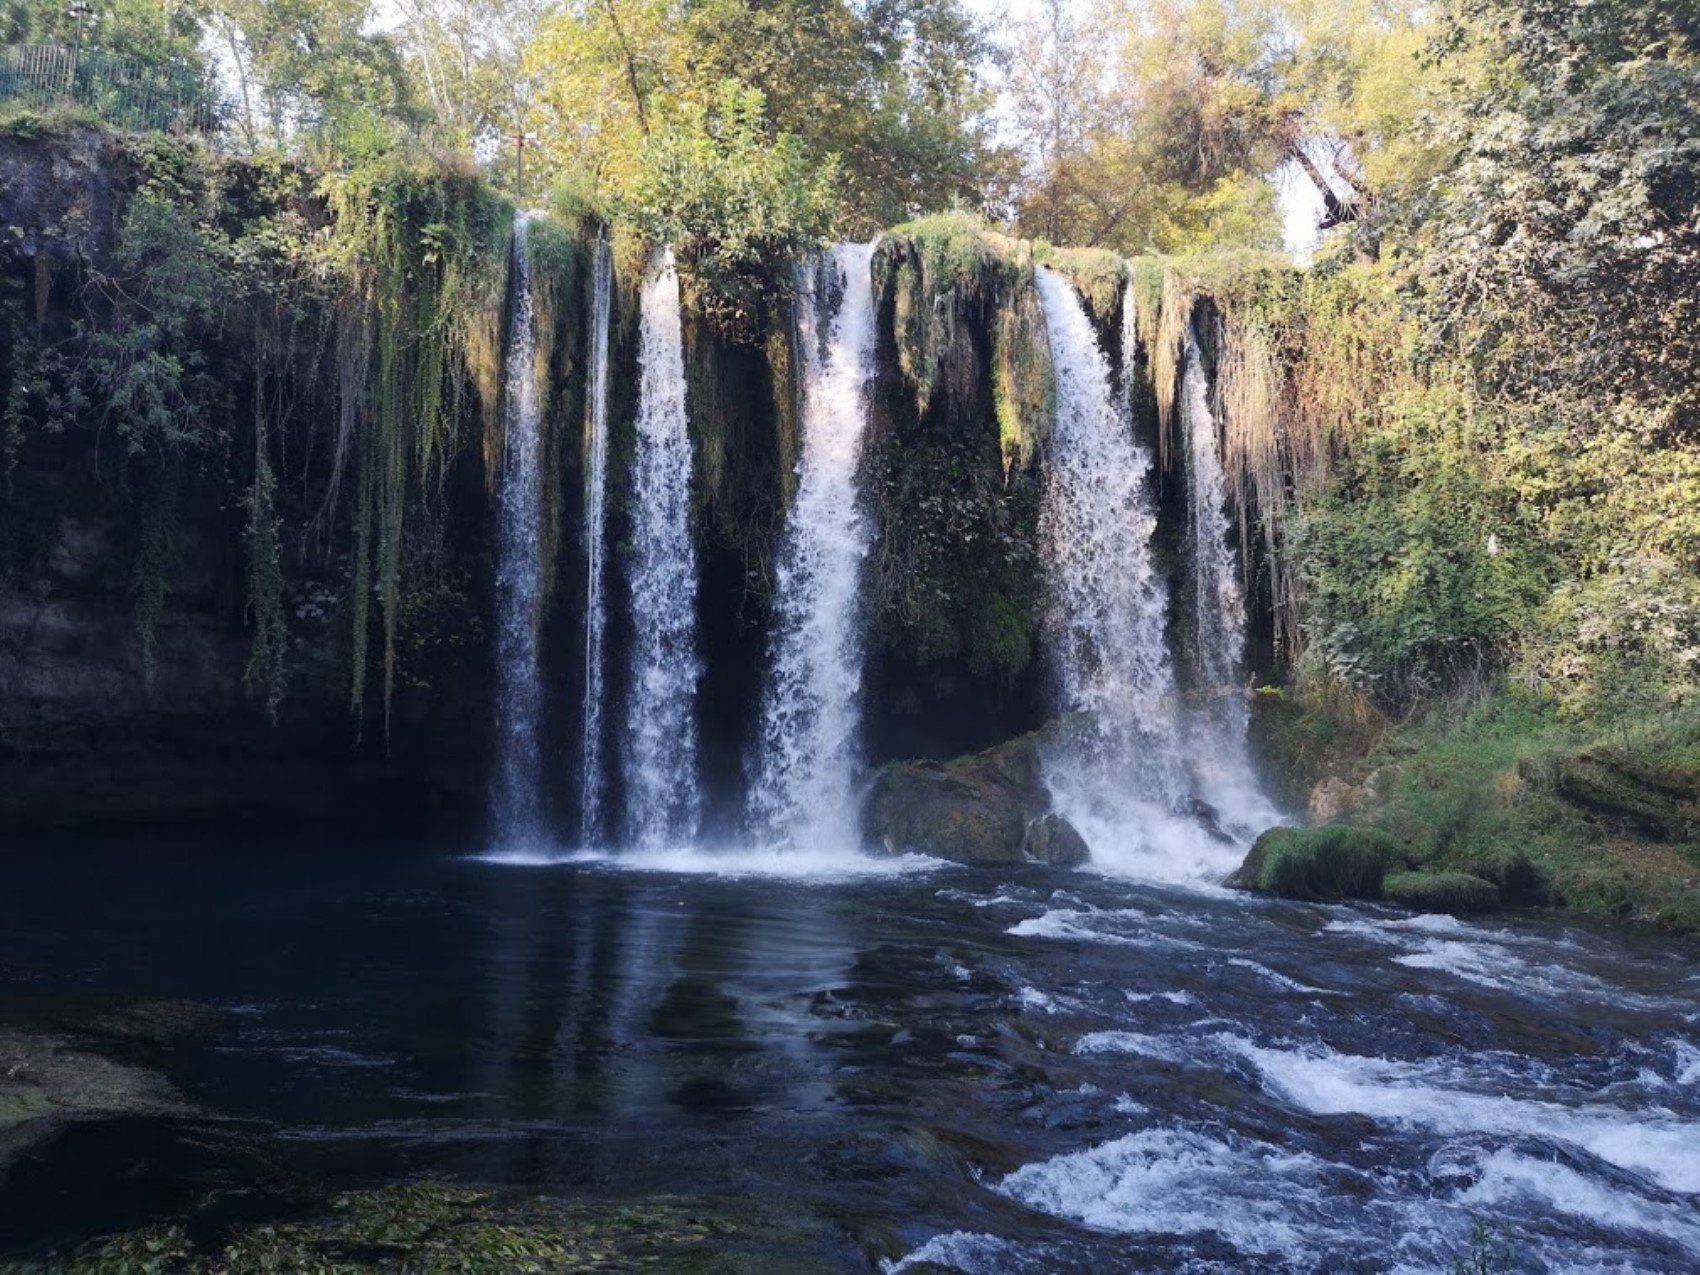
[[591, 778], [663, 802], [802, 789], [519, 575], [1120, 768]]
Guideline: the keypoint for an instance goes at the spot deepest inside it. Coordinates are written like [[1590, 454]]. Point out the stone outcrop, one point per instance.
[[1658, 801], [989, 808], [1334, 862]]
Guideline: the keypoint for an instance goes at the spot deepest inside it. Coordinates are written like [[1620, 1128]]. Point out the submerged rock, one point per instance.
[[440, 1226], [1458, 893], [1053, 839], [46, 1081], [1333, 862], [989, 808]]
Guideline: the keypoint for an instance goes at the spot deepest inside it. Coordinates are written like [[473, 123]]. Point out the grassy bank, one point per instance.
[[1600, 817]]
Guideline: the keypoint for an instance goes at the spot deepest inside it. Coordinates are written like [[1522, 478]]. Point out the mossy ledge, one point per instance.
[[1319, 864], [434, 1225], [1596, 819]]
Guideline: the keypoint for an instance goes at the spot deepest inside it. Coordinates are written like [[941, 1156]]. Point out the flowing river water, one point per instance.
[[1029, 1070]]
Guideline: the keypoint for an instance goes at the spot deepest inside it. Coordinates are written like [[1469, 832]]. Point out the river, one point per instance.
[[1034, 1070]]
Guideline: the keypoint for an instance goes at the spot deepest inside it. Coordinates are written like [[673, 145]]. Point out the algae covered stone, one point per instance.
[[988, 808], [1054, 840], [1457, 893], [1333, 862]]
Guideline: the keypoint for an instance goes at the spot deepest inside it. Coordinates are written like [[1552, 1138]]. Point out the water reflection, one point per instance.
[[1032, 1070]]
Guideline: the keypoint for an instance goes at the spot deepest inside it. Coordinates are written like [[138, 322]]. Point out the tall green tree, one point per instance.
[[313, 68], [895, 89]]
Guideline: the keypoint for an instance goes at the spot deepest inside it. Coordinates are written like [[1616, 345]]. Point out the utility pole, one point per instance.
[[79, 10], [520, 140]]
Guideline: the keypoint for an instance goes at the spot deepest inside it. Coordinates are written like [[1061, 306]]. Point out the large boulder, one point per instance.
[[1457, 893], [1338, 861], [989, 808]]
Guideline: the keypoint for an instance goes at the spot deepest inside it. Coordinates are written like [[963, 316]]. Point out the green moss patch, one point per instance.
[[1335, 862], [438, 1226], [1457, 893]]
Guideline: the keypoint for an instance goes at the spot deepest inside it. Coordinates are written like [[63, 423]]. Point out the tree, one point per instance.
[[469, 58], [313, 68], [1148, 126], [895, 90]]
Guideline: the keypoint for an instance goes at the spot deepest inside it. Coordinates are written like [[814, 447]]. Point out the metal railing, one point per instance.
[[123, 91]]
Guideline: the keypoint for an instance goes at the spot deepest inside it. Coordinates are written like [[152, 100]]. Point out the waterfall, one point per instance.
[[519, 576], [663, 802], [1117, 769], [802, 795], [1219, 606], [595, 532], [1222, 713]]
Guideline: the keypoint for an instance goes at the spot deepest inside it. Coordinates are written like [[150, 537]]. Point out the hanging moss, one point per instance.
[[952, 451], [937, 269], [264, 675], [156, 556], [1023, 381], [560, 281], [787, 397]]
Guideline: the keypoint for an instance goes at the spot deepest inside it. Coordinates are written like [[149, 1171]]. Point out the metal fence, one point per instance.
[[123, 91]]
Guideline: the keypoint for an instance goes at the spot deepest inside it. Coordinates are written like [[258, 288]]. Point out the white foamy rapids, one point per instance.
[[1262, 1200], [1507, 1180], [595, 530], [1163, 1048], [1120, 927], [1495, 958], [517, 797], [818, 866], [1221, 765], [802, 790], [663, 804], [1687, 1063], [1116, 770], [1456, 1098], [970, 1251], [1293, 1208]]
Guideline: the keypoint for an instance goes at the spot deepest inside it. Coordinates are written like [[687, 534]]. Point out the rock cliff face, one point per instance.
[[128, 685], [989, 808], [130, 604]]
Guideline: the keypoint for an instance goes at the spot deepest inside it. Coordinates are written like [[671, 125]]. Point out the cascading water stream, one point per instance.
[[519, 577], [1222, 713], [801, 795], [1117, 769], [662, 795], [595, 531]]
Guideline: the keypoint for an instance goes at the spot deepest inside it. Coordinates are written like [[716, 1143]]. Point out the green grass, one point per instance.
[[1479, 789], [1454, 892]]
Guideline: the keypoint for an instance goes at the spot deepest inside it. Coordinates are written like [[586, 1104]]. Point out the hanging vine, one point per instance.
[[424, 255]]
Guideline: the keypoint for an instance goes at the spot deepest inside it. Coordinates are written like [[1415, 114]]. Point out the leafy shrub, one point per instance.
[[1627, 639], [730, 197]]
